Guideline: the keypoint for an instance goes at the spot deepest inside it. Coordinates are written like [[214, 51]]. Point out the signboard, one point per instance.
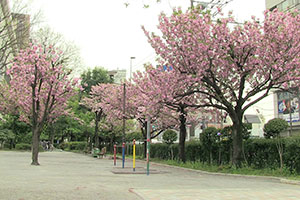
[[288, 106]]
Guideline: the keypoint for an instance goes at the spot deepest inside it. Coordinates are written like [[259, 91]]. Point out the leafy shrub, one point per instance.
[[169, 136], [23, 146], [161, 151], [292, 154], [194, 151], [138, 136], [259, 153], [274, 127], [77, 146]]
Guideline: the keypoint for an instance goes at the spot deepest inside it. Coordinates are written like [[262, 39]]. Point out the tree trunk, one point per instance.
[[52, 137], [89, 141], [182, 135], [97, 142], [144, 133], [237, 143], [220, 156], [35, 145], [111, 146], [279, 146]]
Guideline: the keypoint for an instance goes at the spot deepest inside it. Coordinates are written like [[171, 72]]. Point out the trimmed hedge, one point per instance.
[[259, 153]]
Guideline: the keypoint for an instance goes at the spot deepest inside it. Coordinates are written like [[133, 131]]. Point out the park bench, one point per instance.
[[102, 152]]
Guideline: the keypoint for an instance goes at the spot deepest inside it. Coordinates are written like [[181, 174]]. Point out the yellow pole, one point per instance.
[[133, 155]]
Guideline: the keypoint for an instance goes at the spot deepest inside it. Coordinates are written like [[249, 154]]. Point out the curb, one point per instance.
[[279, 179]]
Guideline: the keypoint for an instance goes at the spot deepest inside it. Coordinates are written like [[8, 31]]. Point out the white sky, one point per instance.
[[108, 33]]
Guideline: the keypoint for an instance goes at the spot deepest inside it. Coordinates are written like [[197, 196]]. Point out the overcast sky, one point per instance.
[[108, 33]]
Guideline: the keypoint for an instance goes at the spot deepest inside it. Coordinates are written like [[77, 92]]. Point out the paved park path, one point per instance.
[[70, 176]]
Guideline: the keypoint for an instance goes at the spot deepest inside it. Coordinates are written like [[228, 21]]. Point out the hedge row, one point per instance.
[[23, 146], [26, 147], [81, 146], [258, 153]]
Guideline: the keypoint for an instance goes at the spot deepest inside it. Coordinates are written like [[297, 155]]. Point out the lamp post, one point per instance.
[[130, 72]]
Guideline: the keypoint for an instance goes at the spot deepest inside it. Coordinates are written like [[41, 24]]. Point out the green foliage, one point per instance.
[[291, 154], [112, 133], [169, 136], [138, 136], [93, 77], [209, 136], [259, 153], [77, 145], [23, 146], [226, 133], [6, 135], [274, 127], [18, 130], [161, 151], [70, 146]]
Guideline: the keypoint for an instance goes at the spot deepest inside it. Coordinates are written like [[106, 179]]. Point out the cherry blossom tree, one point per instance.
[[96, 102], [40, 88], [234, 67], [109, 99], [165, 87]]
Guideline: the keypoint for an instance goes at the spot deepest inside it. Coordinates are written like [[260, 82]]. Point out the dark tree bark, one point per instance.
[[98, 115], [237, 139], [182, 135], [35, 145]]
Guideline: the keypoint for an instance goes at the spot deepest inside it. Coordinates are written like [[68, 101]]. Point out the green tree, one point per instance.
[[89, 78], [20, 130], [272, 129], [169, 136], [136, 135], [6, 135]]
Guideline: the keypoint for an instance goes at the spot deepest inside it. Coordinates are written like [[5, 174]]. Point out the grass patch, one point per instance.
[[231, 170]]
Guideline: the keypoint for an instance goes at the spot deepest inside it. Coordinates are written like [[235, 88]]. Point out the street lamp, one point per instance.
[[123, 136], [130, 72]]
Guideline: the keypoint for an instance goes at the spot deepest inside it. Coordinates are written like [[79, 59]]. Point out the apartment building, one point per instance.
[[283, 5], [14, 34]]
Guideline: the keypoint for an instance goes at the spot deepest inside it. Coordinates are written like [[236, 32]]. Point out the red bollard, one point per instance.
[[115, 155]]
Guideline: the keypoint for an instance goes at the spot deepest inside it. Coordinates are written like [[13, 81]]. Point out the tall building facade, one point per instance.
[[118, 76], [283, 5], [14, 34]]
